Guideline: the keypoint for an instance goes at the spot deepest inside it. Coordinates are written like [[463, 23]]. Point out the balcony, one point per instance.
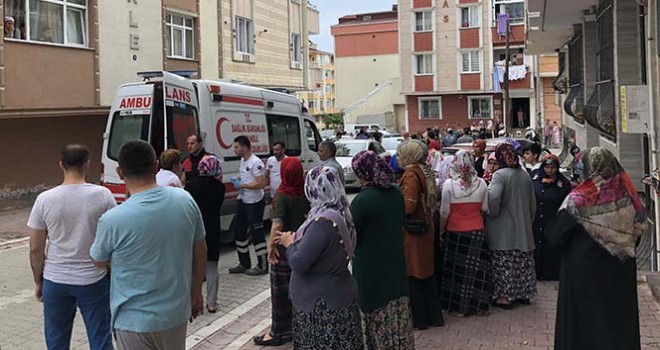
[[517, 36], [516, 82], [550, 23]]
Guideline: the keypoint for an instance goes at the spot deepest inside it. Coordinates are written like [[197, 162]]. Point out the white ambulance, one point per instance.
[[168, 107]]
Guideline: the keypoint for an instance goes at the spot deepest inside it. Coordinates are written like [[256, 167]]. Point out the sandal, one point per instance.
[[273, 341]]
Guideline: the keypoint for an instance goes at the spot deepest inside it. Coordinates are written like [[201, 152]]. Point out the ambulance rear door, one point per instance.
[[181, 111]]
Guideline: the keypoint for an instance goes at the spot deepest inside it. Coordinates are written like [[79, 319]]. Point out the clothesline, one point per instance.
[[517, 72]]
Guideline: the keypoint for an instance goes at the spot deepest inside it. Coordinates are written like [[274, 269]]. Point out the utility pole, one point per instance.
[[508, 121]]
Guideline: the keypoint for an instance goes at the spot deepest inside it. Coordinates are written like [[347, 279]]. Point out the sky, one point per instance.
[[331, 10]]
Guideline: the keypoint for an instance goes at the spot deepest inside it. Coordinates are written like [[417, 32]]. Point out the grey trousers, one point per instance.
[[211, 283], [169, 339]]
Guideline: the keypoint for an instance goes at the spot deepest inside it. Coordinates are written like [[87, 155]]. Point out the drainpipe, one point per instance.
[[650, 40], [304, 38]]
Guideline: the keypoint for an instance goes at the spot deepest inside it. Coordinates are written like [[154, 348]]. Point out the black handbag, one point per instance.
[[417, 226]]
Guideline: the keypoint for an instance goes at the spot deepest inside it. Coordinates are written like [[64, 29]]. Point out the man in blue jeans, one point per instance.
[[64, 274]]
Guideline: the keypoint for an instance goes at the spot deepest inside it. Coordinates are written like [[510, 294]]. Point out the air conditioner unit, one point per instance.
[[635, 109]]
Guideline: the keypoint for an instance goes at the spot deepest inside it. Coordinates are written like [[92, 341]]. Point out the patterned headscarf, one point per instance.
[[412, 153], [210, 166], [372, 168], [481, 147], [506, 156], [293, 182], [488, 175], [464, 175], [443, 170], [328, 200], [606, 204]]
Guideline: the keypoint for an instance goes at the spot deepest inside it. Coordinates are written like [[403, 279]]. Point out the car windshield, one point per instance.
[[349, 149], [391, 143]]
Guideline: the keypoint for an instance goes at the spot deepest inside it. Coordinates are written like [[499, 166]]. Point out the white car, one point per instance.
[[391, 143], [347, 149]]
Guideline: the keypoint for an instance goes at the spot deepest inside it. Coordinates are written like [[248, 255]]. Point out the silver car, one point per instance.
[[347, 149]]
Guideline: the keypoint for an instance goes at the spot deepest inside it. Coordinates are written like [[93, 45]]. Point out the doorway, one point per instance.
[[520, 113]]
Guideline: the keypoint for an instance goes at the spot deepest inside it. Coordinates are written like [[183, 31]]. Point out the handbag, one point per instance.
[[417, 226]]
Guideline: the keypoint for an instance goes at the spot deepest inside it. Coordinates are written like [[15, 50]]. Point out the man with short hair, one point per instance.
[[249, 220], [195, 146], [154, 244], [327, 152], [362, 134], [273, 167], [64, 274], [531, 154]]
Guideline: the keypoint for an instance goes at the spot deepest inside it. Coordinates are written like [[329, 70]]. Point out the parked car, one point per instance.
[[391, 143], [347, 149]]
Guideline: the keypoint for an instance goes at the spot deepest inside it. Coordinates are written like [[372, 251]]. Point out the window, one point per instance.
[[295, 50], [286, 129], [244, 35], [50, 21], [180, 37], [424, 64], [480, 107], [429, 108], [423, 21], [313, 136], [470, 17], [126, 127], [471, 62], [515, 9]]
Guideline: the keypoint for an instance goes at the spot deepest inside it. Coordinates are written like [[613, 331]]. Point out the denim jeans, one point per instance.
[[60, 302]]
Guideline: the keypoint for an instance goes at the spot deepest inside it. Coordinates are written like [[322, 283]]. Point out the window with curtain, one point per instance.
[[296, 50], [470, 17], [480, 107], [180, 36], [423, 21], [244, 35], [470, 62], [429, 108], [51, 21], [424, 64]]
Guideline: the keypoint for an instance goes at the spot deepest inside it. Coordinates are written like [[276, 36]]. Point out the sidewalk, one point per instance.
[[526, 327]]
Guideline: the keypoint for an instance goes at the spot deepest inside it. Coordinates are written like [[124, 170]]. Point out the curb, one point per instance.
[[653, 280], [13, 243]]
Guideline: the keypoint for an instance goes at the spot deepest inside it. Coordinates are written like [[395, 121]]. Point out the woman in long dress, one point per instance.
[[379, 266], [420, 197], [596, 230], [466, 282], [512, 206], [289, 209], [326, 315], [556, 134]]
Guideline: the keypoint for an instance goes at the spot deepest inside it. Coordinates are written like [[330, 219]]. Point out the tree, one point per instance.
[[334, 119]]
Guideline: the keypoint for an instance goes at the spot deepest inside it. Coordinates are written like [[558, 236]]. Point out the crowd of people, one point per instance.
[[454, 234]]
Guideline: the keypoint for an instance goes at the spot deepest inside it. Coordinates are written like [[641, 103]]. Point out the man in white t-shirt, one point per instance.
[[250, 210], [170, 165], [273, 167], [64, 274]]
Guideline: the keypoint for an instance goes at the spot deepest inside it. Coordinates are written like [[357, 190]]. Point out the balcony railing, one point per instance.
[[600, 111]]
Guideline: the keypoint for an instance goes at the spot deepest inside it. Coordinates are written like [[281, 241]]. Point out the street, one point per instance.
[[245, 310]]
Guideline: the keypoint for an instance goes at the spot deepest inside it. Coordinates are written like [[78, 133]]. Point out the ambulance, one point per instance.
[[167, 107]]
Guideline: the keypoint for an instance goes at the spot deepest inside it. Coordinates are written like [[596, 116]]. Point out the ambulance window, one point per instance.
[[126, 128], [181, 123], [312, 135], [285, 129]]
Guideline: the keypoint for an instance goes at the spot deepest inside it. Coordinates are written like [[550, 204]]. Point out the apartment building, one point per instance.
[[320, 98], [61, 66], [367, 68], [452, 64]]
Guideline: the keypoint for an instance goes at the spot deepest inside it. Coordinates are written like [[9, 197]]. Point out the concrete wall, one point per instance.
[[210, 39], [117, 62], [382, 101], [357, 76], [35, 163]]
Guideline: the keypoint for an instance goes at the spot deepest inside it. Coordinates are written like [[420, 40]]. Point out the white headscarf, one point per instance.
[[463, 174]]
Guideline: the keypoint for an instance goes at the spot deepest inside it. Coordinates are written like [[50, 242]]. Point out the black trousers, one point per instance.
[[249, 229], [425, 302]]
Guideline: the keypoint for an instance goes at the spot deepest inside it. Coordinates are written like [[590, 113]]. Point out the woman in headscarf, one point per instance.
[[479, 153], [550, 188], [418, 184], [208, 191], [324, 295], [596, 230], [379, 266], [289, 209], [491, 168], [466, 282], [512, 206]]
